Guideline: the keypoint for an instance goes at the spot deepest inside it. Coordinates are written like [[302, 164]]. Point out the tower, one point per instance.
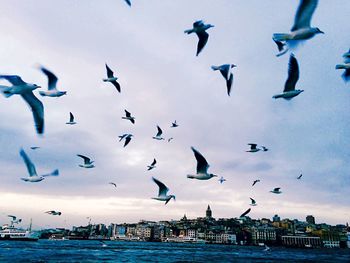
[[310, 219], [208, 213]]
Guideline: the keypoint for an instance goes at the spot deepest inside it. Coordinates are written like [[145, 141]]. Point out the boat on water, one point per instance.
[[12, 233]]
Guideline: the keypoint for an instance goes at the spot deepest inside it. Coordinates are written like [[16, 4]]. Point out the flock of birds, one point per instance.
[[285, 42]]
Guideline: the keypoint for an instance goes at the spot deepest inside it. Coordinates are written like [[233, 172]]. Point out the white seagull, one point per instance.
[[129, 117], [52, 81], [225, 71], [202, 167], [174, 124], [14, 219], [87, 162], [110, 78], [253, 148], [153, 165], [346, 66], [159, 134], [127, 138], [253, 202], [199, 28], [289, 91], [301, 29], [299, 177], [33, 176], [276, 190], [114, 184], [71, 119], [163, 190], [54, 213], [222, 179], [256, 181], [26, 91]]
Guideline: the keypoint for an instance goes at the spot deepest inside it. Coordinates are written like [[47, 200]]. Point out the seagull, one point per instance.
[[71, 119], [266, 248], [255, 181], [253, 202], [253, 148], [202, 167], [128, 2], [54, 213], [245, 213], [293, 75], [299, 177], [264, 149], [153, 165], [174, 124], [199, 28], [280, 46], [346, 57], [159, 134], [163, 190], [225, 71], [26, 91], [34, 147], [301, 29], [222, 179], [33, 177], [15, 220], [346, 66], [171, 138], [87, 162], [114, 184], [52, 81], [127, 138], [276, 190], [110, 78], [129, 117]]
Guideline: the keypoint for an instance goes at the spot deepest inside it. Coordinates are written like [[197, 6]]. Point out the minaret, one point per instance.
[[208, 213]]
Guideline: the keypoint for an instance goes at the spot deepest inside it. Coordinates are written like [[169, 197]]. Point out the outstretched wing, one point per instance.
[[154, 162], [252, 146], [37, 108], [203, 39], [293, 74], [202, 164], [71, 117], [229, 83], [162, 187], [304, 14], [28, 162], [159, 133], [13, 79], [127, 140], [109, 72], [245, 213], [127, 114], [52, 79], [86, 159], [253, 201]]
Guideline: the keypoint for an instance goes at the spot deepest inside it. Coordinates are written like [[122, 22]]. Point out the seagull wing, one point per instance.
[[304, 14], [86, 159], [346, 75], [254, 182], [52, 79], [162, 187], [28, 162], [198, 23], [37, 109], [159, 133], [13, 79], [13, 217], [225, 70], [127, 140], [280, 45], [253, 201], [154, 162], [245, 213], [203, 39], [293, 74], [127, 114], [202, 164], [229, 83], [116, 85], [109, 72], [71, 117], [128, 2], [252, 146], [277, 189]]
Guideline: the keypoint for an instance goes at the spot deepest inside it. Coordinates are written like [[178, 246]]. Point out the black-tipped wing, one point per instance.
[[203, 39], [280, 45], [162, 187], [13, 79], [198, 23], [109, 72], [225, 70], [202, 164], [346, 75], [127, 140], [28, 162], [116, 85], [154, 162], [229, 83], [52, 79], [127, 114], [304, 14], [128, 2], [293, 74], [113, 184], [37, 109], [71, 117], [245, 213], [252, 146], [253, 201], [86, 159], [159, 131], [277, 189]]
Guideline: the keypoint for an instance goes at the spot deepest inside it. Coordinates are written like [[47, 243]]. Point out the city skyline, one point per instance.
[[161, 81]]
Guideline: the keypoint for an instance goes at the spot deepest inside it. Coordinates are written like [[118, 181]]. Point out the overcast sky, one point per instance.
[[162, 80]]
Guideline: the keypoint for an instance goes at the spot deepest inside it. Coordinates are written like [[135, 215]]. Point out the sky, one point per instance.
[[162, 80]]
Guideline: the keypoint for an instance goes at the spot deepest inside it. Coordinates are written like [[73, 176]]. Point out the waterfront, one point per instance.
[[120, 251]]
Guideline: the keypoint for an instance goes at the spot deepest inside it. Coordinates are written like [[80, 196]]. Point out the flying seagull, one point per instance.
[[129, 117], [264, 148], [127, 138], [153, 165], [128, 2], [170, 139], [346, 66], [199, 28], [253, 202], [245, 213], [110, 78], [14, 219], [54, 213], [71, 119], [301, 29], [253, 148], [299, 177], [34, 147], [33, 176], [222, 179], [202, 167], [159, 134], [255, 181], [174, 124], [114, 184], [289, 91], [346, 56], [26, 91], [163, 190], [281, 47], [87, 162], [225, 71], [52, 91], [276, 190]]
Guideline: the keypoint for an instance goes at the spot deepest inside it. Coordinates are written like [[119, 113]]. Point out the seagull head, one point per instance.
[[233, 66], [173, 196], [34, 86]]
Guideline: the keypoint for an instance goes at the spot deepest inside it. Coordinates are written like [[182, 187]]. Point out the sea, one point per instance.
[[123, 251]]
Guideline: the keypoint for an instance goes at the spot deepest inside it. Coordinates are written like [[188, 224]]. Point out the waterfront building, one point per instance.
[[263, 235], [301, 241]]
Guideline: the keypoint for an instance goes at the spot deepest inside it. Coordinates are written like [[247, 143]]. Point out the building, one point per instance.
[[310, 219], [263, 235], [276, 218], [301, 241], [208, 213]]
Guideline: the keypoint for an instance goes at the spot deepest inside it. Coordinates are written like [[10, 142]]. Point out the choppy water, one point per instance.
[[117, 251]]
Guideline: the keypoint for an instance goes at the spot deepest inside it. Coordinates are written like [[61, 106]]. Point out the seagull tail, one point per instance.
[[277, 96], [6, 91], [340, 66], [215, 67], [190, 176], [281, 37]]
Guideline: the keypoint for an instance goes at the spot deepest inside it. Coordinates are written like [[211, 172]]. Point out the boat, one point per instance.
[[12, 233]]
